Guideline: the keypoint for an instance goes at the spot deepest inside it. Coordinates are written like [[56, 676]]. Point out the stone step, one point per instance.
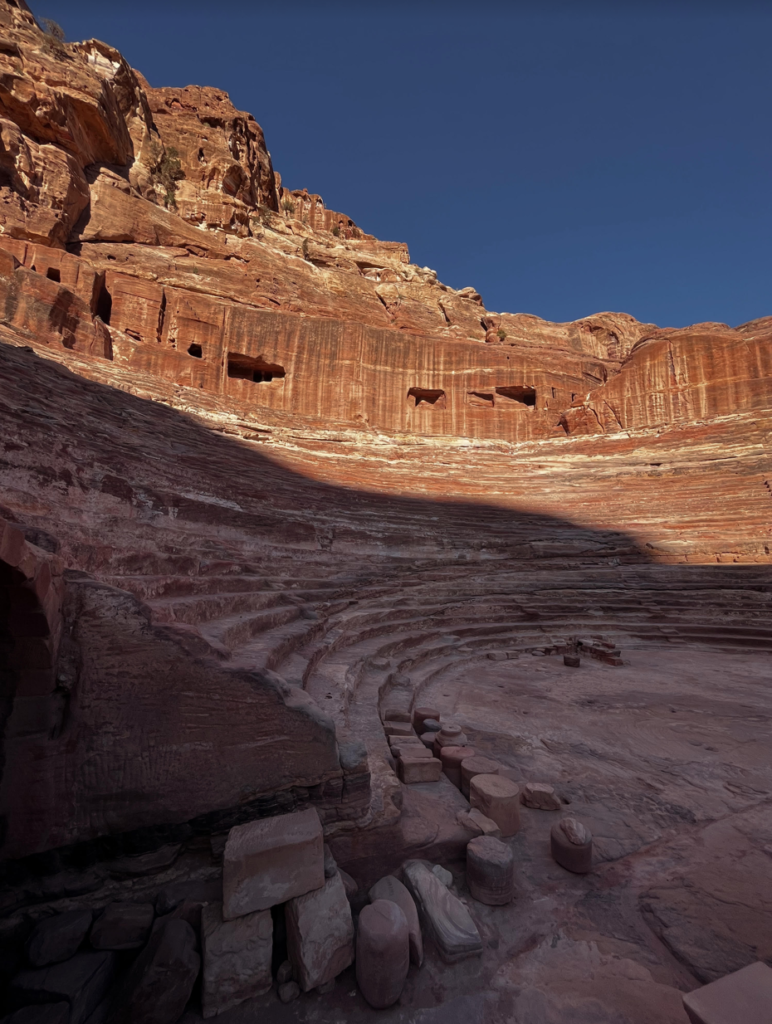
[[236, 630]]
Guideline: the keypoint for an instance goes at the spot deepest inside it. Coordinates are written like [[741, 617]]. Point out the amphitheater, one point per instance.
[[268, 487]]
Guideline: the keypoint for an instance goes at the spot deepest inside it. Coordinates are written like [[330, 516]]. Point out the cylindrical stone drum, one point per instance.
[[383, 953], [451, 758], [490, 871], [448, 736], [498, 799], [420, 715], [571, 846], [477, 765]]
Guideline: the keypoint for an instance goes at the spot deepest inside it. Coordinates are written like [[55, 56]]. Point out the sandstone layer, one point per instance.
[[266, 483]]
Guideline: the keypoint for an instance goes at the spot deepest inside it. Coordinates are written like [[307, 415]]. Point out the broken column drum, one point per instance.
[[476, 766], [490, 871], [320, 934], [448, 736], [383, 953], [390, 888], [571, 845], [498, 799], [420, 715], [451, 758]]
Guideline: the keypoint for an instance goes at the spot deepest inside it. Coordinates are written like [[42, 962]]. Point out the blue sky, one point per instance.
[[562, 158]]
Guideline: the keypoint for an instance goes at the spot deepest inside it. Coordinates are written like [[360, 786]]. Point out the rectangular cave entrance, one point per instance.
[[430, 396], [522, 393], [257, 370]]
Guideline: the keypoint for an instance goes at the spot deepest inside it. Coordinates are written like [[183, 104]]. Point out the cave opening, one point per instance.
[[196, 351], [54, 275], [431, 396], [104, 306], [522, 393], [257, 370]]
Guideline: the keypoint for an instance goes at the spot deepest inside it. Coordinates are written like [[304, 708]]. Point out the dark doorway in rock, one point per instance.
[[522, 393], [431, 396], [196, 351], [104, 307], [257, 370], [53, 275]]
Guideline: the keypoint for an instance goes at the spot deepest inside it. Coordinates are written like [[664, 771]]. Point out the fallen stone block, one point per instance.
[[398, 729], [81, 981], [427, 738], [476, 765], [320, 934], [390, 888], [288, 991], [393, 715], [490, 871], [478, 823], [419, 769], [409, 748], [431, 725], [496, 656], [443, 874], [382, 954], [236, 958], [349, 884], [572, 660], [444, 916], [58, 938], [271, 861], [122, 926], [498, 799], [161, 979], [541, 796], [743, 997], [451, 758], [571, 845], [284, 973]]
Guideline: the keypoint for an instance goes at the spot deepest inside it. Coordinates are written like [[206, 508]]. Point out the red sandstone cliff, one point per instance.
[[222, 401]]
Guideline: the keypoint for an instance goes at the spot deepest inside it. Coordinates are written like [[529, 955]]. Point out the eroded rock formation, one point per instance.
[[268, 487]]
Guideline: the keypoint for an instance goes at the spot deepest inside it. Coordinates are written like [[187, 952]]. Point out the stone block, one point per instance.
[[427, 738], [431, 725], [382, 954], [476, 765], [743, 997], [541, 796], [497, 655], [419, 769], [122, 926], [490, 871], [498, 799], [320, 934], [409, 748], [82, 981], [58, 938], [271, 861], [236, 958], [159, 983], [572, 660], [443, 874], [390, 888], [477, 822], [398, 728], [445, 917], [571, 846]]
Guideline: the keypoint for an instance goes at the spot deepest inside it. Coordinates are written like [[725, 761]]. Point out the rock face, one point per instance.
[[81, 982], [268, 862], [236, 958], [122, 926], [160, 981], [58, 938], [320, 934]]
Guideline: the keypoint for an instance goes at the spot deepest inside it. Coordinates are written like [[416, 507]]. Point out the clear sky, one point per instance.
[[562, 158]]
